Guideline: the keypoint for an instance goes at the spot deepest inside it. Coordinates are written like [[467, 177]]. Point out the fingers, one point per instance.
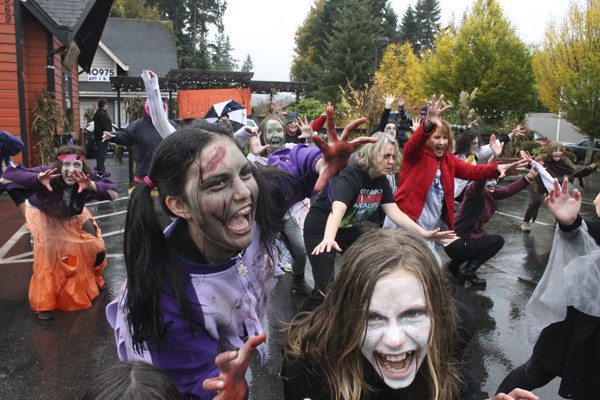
[[362, 140], [351, 127], [213, 384], [222, 360]]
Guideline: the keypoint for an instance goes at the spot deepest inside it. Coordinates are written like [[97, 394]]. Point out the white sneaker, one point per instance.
[[286, 266], [525, 227]]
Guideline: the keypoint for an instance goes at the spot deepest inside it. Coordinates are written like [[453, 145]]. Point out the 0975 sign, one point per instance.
[[101, 74]]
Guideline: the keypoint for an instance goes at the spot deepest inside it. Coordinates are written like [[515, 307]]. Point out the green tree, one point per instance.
[[348, 58], [566, 69], [484, 53], [248, 65], [400, 73], [192, 21], [427, 19], [135, 9], [221, 54], [408, 28], [337, 30]]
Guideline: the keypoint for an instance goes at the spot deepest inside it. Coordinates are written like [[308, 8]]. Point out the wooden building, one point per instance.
[[43, 46]]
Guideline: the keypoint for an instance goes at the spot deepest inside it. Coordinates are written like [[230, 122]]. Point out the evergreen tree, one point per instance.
[[248, 65], [348, 58], [192, 21], [326, 34], [427, 18], [221, 54], [408, 28]]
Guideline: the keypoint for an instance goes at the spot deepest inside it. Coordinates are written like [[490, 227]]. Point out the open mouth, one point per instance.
[[396, 365], [275, 142], [240, 222]]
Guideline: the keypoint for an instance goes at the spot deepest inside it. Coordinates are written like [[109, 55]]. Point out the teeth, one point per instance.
[[243, 211], [396, 358]]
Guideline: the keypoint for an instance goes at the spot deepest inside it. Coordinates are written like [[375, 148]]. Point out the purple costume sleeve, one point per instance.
[[300, 163]]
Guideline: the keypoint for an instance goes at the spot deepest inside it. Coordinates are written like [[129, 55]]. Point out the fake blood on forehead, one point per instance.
[[217, 159]]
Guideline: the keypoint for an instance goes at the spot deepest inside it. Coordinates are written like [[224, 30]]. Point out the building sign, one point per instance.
[[100, 74]]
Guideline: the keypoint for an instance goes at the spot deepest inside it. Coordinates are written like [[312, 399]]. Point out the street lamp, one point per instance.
[[377, 41]]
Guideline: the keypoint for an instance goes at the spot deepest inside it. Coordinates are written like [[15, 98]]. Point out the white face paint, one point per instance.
[[67, 169], [397, 329]]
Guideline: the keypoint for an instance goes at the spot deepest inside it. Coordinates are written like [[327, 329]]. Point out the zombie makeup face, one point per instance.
[[475, 145], [438, 142], [390, 128], [490, 185], [387, 161], [221, 193], [274, 135], [557, 153], [68, 166], [398, 328]]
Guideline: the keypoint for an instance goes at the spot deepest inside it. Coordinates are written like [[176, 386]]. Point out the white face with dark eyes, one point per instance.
[[398, 328]]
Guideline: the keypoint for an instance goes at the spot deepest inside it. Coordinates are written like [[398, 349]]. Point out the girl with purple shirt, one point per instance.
[[201, 287]]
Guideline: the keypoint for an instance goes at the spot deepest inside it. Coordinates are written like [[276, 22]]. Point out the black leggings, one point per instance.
[[479, 250]]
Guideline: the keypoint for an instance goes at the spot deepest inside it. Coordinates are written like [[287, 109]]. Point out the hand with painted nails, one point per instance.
[[46, 177], [337, 150], [517, 394], [231, 382]]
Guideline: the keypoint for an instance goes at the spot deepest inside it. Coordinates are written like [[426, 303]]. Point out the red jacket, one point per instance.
[[419, 165]]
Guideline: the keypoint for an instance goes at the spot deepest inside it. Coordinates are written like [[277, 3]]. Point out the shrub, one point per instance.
[[529, 146], [570, 155]]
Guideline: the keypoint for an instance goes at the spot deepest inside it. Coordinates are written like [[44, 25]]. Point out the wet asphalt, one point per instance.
[[57, 359]]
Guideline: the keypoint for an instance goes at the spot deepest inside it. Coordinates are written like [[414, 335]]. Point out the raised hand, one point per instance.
[[474, 123], [278, 106], [336, 151], [305, 128], [496, 146], [231, 382], [519, 131], [46, 177], [401, 101], [564, 207], [436, 108], [416, 121], [83, 180], [256, 147], [389, 100]]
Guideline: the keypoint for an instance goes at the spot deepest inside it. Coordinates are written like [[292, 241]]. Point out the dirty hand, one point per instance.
[[46, 177], [231, 382], [337, 150]]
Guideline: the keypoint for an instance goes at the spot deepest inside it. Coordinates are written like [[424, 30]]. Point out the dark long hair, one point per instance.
[[151, 267], [463, 142]]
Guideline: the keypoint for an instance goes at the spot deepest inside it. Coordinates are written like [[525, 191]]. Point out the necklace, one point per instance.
[[241, 267]]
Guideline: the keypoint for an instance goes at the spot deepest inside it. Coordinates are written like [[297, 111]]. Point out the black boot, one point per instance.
[[299, 285], [453, 267], [467, 276]]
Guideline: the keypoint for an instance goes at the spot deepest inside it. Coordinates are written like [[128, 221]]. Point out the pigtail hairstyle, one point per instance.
[[152, 270]]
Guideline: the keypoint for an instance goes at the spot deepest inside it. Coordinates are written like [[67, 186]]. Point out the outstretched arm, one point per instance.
[[404, 221], [334, 219]]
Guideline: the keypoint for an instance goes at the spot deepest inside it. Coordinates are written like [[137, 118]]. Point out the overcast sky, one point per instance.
[[265, 29]]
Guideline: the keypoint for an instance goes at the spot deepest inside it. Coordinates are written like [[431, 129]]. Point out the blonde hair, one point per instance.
[[328, 341], [369, 156]]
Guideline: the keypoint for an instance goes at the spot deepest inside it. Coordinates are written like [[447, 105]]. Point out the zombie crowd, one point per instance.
[[369, 216]]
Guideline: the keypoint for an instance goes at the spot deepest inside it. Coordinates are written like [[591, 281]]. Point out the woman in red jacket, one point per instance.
[[426, 188]]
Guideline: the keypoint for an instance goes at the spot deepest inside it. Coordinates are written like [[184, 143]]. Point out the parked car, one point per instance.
[[580, 148], [252, 124], [541, 139]]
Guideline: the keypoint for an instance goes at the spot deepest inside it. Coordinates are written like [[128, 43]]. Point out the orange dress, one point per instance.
[[68, 261]]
